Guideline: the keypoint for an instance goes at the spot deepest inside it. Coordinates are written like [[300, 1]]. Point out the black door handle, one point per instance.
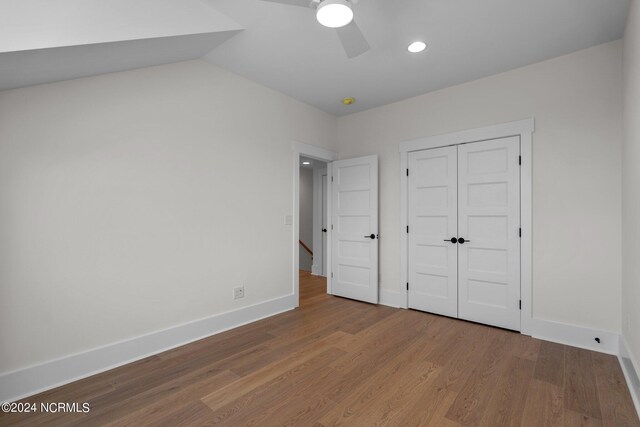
[[371, 236], [324, 230], [461, 240], [452, 240]]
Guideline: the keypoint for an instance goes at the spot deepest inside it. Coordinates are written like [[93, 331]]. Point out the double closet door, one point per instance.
[[464, 231]]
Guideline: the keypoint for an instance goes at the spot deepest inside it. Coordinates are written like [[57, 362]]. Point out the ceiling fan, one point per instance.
[[336, 14]]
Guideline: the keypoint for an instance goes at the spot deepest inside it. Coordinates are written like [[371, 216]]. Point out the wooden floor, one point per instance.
[[339, 362]]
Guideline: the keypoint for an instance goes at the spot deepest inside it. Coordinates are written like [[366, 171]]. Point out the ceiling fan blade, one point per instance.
[[301, 3], [353, 40]]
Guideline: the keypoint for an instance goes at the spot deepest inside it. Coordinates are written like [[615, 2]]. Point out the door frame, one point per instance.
[[317, 153], [318, 248], [523, 129]]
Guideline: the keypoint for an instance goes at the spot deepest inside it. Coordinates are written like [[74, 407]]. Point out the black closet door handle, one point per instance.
[[370, 236], [461, 240], [452, 240], [324, 230]]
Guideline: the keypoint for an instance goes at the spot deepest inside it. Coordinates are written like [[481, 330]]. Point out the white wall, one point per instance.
[[306, 216], [576, 102], [133, 202], [631, 186]]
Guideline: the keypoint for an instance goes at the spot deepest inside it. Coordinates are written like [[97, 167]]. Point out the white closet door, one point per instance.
[[432, 224], [489, 223], [354, 218]]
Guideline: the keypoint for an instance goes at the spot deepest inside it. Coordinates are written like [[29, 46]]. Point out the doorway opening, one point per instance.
[[350, 249], [311, 238], [312, 232]]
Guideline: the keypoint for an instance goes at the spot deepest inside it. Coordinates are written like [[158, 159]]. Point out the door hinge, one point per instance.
[[332, 274], [332, 226], [520, 304], [407, 229], [520, 232], [519, 160], [407, 171], [407, 285], [331, 178]]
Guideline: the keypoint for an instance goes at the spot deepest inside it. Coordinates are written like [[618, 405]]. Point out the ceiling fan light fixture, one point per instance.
[[334, 13]]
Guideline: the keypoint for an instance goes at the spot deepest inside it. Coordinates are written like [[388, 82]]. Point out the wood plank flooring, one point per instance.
[[339, 362]]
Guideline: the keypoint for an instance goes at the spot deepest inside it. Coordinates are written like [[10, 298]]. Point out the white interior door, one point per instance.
[[489, 223], [433, 223], [354, 219], [324, 223]]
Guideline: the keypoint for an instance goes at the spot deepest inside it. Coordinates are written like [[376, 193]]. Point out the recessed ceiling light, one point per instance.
[[306, 163], [334, 13], [417, 47], [349, 101]]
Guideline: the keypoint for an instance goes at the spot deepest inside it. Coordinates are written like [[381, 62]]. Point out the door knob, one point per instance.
[[461, 240], [371, 236], [452, 240], [324, 230]]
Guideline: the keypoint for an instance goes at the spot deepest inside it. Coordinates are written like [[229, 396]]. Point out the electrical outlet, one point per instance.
[[238, 292]]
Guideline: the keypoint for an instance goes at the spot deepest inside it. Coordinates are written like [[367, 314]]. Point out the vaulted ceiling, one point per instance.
[[284, 47], [44, 41]]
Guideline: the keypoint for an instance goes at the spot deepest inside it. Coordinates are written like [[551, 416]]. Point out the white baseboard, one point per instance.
[[29, 381], [391, 298], [576, 336], [316, 270], [631, 369]]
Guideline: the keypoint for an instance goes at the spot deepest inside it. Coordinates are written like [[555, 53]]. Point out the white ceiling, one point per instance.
[[284, 47], [311, 161]]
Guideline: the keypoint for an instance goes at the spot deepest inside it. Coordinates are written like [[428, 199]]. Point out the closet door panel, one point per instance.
[[489, 223], [432, 223]]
